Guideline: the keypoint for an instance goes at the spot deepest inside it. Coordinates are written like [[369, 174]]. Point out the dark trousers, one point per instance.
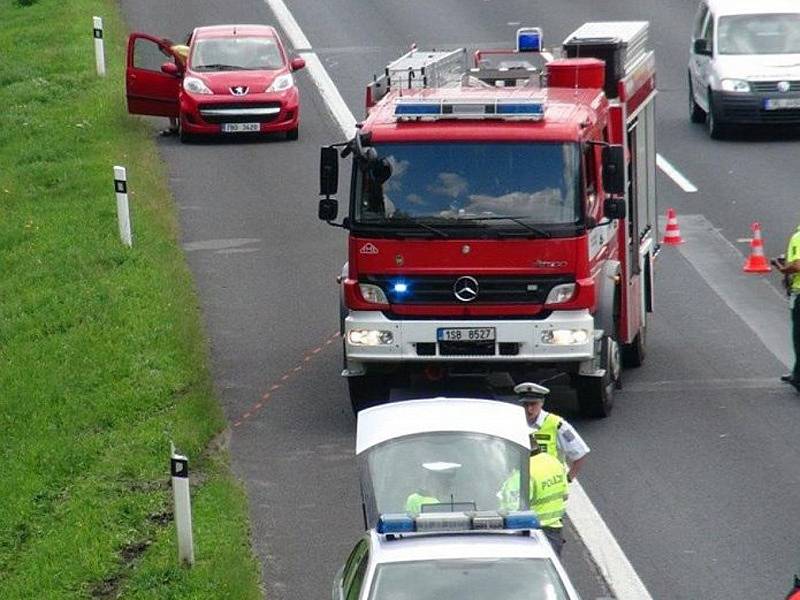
[[796, 336], [553, 535]]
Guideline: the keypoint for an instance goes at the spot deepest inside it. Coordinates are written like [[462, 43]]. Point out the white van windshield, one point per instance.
[[759, 34]]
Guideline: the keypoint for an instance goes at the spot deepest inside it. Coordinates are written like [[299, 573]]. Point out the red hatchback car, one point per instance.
[[236, 79]]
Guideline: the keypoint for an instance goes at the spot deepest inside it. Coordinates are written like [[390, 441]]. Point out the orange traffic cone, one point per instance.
[[672, 235], [756, 262]]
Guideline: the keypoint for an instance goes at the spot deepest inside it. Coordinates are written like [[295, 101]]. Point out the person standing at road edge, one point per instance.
[[790, 268], [551, 432]]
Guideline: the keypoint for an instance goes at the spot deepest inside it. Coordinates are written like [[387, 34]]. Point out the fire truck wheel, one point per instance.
[[696, 114], [368, 390], [596, 394], [633, 354]]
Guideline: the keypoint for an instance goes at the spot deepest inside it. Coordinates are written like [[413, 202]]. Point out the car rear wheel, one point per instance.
[[293, 134], [696, 114]]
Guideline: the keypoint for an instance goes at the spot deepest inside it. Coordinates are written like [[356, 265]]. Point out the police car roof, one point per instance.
[[397, 419], [748, 7], [459, 545]]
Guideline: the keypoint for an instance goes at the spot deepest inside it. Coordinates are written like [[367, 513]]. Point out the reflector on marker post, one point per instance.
[[179, 469], [123, 210], [529, 39], [99, 52]]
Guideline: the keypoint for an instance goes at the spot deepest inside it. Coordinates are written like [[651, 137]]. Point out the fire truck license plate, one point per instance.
[[465, 334], [241, 127]]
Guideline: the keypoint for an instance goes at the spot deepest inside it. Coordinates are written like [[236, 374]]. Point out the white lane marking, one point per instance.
[[330, 94], [673, 173], [604, 548], [751, 297], [548, 56], [618, 571]]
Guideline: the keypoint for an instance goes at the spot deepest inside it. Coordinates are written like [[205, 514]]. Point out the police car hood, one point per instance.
[[758, 67], [398, 419]]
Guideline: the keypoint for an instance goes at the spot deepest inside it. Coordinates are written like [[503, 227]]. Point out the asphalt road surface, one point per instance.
[[697, 472]]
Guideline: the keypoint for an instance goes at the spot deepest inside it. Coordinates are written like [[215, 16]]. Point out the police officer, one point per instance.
[[790, 267], [548, 494], [438, 484], [551, 433]]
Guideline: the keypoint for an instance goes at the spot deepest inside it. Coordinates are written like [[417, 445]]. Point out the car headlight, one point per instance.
[[370, 337], [735, 85], [560, 293], [195, 85], [372, 293], [565, 337], [281, 83]]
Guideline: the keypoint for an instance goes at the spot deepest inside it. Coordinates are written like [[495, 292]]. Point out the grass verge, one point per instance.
[[103, 360]]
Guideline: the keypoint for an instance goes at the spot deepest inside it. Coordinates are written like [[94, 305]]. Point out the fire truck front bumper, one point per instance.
[[563, 337]]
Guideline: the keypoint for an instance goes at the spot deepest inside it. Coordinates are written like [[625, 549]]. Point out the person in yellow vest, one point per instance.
[[547, 496], [549, 492], [789, 266], [437, 486], [552, 433]]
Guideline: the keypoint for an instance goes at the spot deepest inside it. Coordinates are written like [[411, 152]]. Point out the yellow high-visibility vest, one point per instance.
[[547, 436], [549, 489], [793, 254]]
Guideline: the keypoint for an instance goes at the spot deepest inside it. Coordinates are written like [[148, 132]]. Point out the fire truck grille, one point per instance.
[[427, 289]]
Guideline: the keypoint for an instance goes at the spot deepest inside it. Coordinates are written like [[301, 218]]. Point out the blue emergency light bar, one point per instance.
[[472, 108], [398, 523], [529, 39]]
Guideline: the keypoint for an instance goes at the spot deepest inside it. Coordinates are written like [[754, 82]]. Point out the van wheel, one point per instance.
[[696, 114], [596, 394], [716, 130]]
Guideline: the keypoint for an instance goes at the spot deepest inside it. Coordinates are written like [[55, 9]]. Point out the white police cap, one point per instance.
[[531, 392]]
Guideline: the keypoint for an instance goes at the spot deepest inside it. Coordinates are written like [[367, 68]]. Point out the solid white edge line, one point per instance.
[[593, 531], [673, 173], [330, 94], [606, 552]]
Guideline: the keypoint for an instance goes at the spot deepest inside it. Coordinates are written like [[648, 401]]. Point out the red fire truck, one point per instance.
[[502, 217]]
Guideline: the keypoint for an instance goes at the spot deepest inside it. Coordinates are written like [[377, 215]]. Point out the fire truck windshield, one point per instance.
[[520, 187]]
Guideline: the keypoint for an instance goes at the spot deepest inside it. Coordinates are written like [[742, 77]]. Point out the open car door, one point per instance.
[[150, 85]]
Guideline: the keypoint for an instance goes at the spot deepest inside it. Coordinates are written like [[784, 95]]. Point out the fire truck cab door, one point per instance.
[[149, 90]]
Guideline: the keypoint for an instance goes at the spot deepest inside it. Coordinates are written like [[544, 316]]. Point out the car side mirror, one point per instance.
[[614, 208], [297, 64], [170, 68], [328, 209], [702, 47], [328, 171], [614, 170]]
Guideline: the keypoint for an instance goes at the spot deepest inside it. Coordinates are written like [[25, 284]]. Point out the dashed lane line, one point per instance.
[[676, 176], [601, 543]]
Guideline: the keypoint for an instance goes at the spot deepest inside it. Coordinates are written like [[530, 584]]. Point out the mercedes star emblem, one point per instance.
[[465, 289]]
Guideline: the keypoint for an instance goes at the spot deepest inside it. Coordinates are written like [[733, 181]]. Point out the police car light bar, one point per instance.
[[529, 39], [473, 108], [398, 523]]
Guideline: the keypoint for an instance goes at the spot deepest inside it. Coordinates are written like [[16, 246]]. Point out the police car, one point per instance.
[[433, 474], [454, 556]]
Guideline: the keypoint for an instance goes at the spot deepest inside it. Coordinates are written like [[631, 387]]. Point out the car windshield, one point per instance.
[[457, 579], [759, 34], [236, 54], [489, 185], [443, 471]]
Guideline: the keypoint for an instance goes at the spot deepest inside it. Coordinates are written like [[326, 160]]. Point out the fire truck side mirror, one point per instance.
[[614, 208], [328, 209], [614, 170], [328, 171]]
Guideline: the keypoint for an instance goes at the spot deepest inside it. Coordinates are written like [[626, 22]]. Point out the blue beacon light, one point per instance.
[[529, 39]]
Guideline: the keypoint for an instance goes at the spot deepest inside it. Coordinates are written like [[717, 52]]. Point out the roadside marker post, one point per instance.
[[123, 210], [179, 469], [99, 51]]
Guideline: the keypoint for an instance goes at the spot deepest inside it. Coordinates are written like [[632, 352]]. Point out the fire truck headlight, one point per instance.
[[372, 293], [560, 293], [735, 85], [565, 337], [370, 337]]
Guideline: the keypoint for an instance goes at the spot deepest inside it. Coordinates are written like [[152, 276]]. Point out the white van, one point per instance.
[[744, 64]]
